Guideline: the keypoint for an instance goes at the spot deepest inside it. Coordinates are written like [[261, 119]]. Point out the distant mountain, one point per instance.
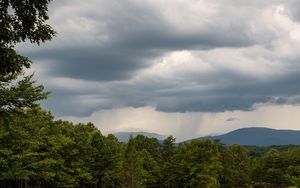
[[124, 136], [259, 137]]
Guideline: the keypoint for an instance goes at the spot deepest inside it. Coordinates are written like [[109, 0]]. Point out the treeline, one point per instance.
[[37, 151]]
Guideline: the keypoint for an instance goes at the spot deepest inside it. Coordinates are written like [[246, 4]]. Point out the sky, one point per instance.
[[183, 67]]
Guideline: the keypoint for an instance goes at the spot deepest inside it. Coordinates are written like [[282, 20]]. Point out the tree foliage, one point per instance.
[[23, 93], [20, 21], [198, 164], [38, 151]]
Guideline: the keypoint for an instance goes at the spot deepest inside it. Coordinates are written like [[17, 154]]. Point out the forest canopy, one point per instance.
[[38, 151]]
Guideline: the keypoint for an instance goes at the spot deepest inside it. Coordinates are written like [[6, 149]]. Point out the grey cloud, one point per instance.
[[232, 119], [72, 104], [217, 103], [169, 39], [95, 63], [239, 95], [293, 9], [137, 35], [230, 97]]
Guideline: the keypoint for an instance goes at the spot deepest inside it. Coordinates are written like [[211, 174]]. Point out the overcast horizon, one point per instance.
[[187, 68]]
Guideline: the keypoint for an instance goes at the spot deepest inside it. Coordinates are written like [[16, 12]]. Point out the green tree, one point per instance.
[[168, 150], [198, 164], [112, 161], [20, 21], [79, 153], [236, 166], [292, 167], [26, 145], [269, 169], [24, 93], [151, 145], [149, 150], [134, 173]]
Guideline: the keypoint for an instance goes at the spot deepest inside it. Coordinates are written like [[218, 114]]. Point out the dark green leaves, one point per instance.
[[24, 19], [20, 94], [20, 21]]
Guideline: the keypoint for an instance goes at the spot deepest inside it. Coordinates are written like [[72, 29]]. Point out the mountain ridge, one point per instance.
[[260, 136], [250, 136]]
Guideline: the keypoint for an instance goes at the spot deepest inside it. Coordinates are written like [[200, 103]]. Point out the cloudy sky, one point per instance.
[[183, 67]]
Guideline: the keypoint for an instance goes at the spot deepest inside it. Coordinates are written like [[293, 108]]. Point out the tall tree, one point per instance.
[[270, 169], [134, 172], [110, 157], [168, 149], [198, 164], [25, 146], [236, 166], [20, 21]]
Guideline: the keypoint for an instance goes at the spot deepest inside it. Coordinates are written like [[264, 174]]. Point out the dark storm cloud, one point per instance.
[[241, 95], [232, 96], [112, 44], [136, 35], [126, 54], [168, 39], [120, 59], [98, 64]]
